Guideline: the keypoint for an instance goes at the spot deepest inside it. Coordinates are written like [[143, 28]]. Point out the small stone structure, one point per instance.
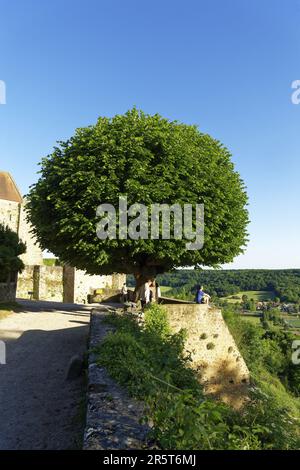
[[219, 364]]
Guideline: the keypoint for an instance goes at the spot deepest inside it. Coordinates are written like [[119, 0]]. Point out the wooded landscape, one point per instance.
[[284, 284]]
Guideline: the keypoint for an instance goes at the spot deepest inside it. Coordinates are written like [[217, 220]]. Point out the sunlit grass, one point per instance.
[[256, 295], [6, 308], [165, 289]]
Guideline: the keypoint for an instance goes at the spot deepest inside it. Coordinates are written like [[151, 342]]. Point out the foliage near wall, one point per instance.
[[11, 248], [150, 362]]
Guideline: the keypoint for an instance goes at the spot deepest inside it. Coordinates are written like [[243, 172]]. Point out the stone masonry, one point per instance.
[[62, 284], [219, 364]]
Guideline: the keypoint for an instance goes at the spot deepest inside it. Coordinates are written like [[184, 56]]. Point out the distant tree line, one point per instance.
[[221, 283]]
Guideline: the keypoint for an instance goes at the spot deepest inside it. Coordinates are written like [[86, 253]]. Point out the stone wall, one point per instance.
[[85, 285], [69, 284], [219, 364], [117, 281], [61, 284], [7, 292], [113, 418], [25, 283], [41, 283], [13, 214], [48, 283], [34, 254]]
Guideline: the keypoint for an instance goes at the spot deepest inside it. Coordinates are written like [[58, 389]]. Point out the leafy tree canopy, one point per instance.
[[150, 160]]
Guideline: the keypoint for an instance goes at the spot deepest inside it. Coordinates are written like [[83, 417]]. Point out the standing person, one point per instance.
[[153, 297], [158, 292], [124, 292], [145, 294]]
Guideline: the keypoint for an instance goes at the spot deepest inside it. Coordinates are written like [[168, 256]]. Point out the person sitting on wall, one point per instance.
[[201, 296]]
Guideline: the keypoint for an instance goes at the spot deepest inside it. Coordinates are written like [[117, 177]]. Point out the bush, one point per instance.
[[273, 405], [156, 321], [11, 247]]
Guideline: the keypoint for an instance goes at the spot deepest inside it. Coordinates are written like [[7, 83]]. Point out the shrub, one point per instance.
[[273, 408], [156, 321], [11, 247]]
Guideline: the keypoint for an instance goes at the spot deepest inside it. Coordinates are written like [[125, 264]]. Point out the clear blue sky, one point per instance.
[[225, 65]]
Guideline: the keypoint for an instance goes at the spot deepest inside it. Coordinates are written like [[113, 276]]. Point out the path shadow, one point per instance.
[[45, 306], [39, 407]]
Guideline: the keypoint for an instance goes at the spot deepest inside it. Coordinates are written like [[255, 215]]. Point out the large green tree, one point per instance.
[[150, 160], [11, 247]]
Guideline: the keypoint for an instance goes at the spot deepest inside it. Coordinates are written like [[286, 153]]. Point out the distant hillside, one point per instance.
[[285, 284]]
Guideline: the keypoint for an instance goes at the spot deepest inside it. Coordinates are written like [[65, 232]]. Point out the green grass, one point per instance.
[[165, 289], [257, 295], [294, 322], [255, 320]]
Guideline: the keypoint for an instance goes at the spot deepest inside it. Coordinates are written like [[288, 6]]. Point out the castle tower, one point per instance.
[[10, 202], [13, 214]]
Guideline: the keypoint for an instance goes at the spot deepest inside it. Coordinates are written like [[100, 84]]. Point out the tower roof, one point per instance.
[[8, 188]]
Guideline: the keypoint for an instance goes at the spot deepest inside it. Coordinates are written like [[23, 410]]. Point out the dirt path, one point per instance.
[[39, 408]]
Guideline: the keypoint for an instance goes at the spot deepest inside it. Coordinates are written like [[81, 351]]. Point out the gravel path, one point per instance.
[[39, 408]]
